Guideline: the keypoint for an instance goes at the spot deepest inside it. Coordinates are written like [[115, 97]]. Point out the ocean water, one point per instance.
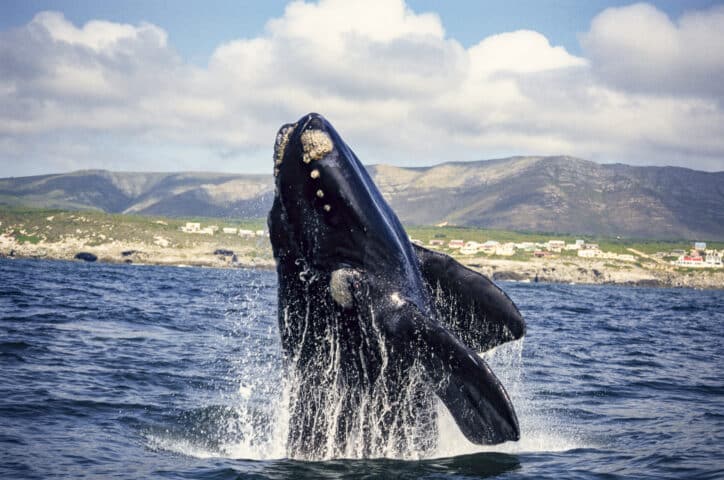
[[119, 371]]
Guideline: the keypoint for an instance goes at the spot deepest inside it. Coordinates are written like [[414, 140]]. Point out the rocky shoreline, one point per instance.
[[201, 255], [598, 272], [545, 270]]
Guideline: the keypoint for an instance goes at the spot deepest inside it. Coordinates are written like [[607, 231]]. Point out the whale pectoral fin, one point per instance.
[[463, 381], [469, 304]]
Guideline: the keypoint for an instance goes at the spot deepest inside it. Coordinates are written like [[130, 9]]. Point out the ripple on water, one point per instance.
[[140, 372]]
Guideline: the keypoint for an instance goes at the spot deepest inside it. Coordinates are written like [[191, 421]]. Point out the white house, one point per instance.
[[574, 246], [713, 259], [470, 248], [556, 245], [505, 250], [589, 253], [525, 246], [489, 247], [456, 244], [191, 227]]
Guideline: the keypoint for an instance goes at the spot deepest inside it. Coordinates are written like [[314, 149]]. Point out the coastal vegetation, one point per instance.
[[122, 238]]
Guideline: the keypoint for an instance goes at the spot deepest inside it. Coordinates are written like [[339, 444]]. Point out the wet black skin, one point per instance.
[[404, 310]]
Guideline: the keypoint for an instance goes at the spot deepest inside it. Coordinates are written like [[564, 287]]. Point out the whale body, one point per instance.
[[373, 328]]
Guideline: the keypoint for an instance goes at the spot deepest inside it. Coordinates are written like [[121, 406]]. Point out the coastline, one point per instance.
[[214, 254]]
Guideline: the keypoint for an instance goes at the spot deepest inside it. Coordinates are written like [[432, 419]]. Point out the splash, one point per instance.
[[254, 422], [540, 431], [349, 398]]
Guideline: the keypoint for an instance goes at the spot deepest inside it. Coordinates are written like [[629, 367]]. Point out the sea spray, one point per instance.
[[261, 394], [351, 397], [540, 430]]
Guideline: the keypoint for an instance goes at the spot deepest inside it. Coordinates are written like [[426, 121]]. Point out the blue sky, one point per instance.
[[169, 85], [197, 28]]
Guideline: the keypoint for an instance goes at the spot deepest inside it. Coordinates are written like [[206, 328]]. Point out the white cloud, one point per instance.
[[638, 48], [399, 89]]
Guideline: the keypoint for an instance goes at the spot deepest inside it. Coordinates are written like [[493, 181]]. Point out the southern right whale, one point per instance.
[[373, 328]]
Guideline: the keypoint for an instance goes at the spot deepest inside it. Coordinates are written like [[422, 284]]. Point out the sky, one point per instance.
[[151, 85]]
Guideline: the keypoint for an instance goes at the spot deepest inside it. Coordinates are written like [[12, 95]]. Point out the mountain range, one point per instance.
[[546, 194]]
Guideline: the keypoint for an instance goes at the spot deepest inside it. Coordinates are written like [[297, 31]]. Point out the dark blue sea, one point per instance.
[[121, 371]]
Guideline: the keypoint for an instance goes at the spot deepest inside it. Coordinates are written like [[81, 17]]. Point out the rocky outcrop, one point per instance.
[[85, 256], [584, 271]]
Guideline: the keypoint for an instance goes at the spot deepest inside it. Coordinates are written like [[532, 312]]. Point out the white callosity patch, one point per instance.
[[280, 144], [340, 286], [315, 144], [397, 300]]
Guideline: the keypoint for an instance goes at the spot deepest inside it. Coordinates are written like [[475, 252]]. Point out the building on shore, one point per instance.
[[470, 248], [526, 246], [191, 227], [505, 249], [712, 259], [556, 245], [589, 252], [195, 227], [455, 244], [575, 246]]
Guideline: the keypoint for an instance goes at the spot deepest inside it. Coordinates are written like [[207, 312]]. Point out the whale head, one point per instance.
[[338, 217]]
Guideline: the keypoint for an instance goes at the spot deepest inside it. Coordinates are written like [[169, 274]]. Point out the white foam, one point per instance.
[[180, 445], [257, 424], [539, 431], [536, 436]]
